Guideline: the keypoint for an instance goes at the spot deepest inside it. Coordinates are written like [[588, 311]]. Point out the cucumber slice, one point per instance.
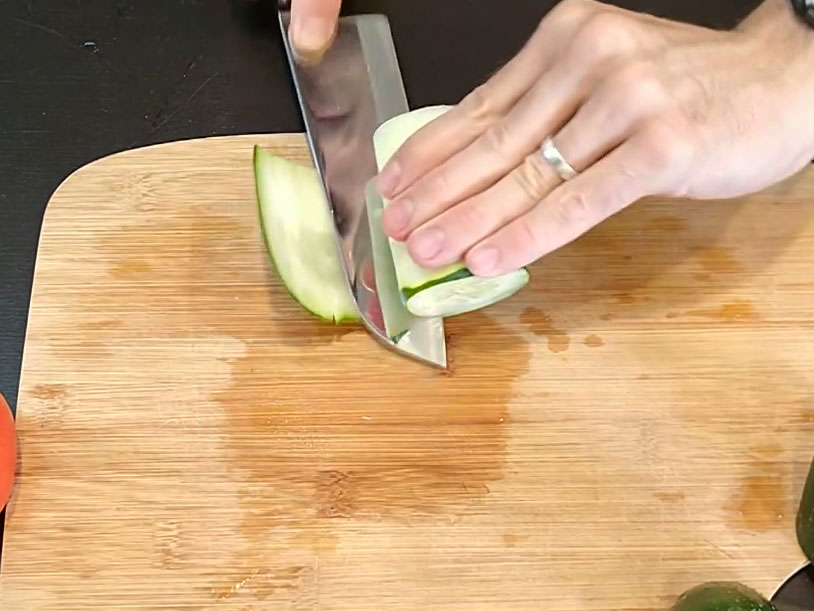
[[805, 516], [299, 234], [452, 289], [462, 292], [722, 596]]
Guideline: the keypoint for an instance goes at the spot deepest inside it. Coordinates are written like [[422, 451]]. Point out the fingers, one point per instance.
[[313, 26], [492, 155], [606, 120], [506, 142], [473, 185], [616, 181], [621, 110], [463, 124], [446, 238]]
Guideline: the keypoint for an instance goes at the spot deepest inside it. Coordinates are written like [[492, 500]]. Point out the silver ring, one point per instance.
[[554, 158]]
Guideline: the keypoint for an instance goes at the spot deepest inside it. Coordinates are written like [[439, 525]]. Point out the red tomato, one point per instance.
[[8, 452]]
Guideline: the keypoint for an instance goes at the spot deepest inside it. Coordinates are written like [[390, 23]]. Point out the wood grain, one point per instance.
[[637, 421]]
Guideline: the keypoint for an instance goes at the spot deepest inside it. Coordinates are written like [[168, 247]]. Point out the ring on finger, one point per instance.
[[552, 156]]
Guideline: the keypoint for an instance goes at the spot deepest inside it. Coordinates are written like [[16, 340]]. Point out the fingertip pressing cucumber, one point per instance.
[[452, 289], [722, 596], [805, 516], [299, 234]]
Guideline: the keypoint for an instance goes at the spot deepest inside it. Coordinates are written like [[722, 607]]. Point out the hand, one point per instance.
[[639, 105], [313, 26]]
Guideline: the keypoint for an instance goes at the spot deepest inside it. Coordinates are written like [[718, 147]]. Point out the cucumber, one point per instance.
[[722, 596], [299, 233], [805, 516], [452, 289]]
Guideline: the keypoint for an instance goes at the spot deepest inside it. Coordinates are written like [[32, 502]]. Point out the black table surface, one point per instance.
[[81, 79]]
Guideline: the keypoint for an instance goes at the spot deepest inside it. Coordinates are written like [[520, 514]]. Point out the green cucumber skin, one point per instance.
[[408, 292], [722, 596], [345, 320], [805, 516], [399, 336]]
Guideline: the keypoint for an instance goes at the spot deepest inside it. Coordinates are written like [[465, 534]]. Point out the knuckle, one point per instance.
[[527, 236], [569, 14], [471, 218], [570, 8], [602, 36], [574, 210], [638, 85], [436, 188], [498, 139], [667, 146], [479, 108], [534, 177]]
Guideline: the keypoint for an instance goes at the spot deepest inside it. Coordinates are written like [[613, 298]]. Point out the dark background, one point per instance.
[[80, 79]]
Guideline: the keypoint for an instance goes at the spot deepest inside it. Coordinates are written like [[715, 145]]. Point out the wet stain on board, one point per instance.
[[338, 441], [717, 260], [805, 416], [762, 503], [594, 341], [541, 324], [736, 311]]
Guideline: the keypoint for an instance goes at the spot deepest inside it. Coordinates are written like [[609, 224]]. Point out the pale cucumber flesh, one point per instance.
[[463, 295], [449, 290], [299, 233]]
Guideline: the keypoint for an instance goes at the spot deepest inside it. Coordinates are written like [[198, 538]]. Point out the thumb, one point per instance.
[[313, 26]]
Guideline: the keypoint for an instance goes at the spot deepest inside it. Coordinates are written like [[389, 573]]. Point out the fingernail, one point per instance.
[[428, 243], [312, 35], [388, 179], [483, 261], [397, 216]]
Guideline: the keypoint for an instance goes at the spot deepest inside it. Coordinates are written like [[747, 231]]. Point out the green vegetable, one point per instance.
[[805, 516], [452, 289], [722, 596], [299, 233]]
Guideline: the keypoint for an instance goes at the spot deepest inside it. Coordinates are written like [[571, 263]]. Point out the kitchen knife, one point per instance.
[[355, 87]]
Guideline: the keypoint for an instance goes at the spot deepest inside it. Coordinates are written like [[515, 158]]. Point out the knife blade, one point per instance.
[[355, 87]]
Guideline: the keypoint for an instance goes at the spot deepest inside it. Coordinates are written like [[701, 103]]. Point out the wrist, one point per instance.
[[775, 22], [776, 34], [775, 30]]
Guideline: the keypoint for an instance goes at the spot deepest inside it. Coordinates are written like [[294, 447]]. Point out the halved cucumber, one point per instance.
[[299, 233], [452, 289]]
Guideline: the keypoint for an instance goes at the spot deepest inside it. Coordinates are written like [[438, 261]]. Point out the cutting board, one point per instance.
[[638, 420]]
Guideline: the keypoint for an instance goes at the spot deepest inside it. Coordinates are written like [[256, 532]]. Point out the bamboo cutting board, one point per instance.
[[639, 420]]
